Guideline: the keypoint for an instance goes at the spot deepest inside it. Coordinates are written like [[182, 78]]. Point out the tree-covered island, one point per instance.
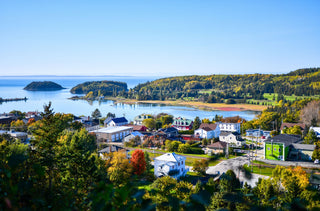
[[43, 86], [98, 89]]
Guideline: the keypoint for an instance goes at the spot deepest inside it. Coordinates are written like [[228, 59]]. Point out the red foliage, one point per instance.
[[138, 162], [31, 120]]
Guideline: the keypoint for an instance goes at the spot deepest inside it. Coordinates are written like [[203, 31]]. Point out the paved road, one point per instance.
[[233, 164], [291, 163]]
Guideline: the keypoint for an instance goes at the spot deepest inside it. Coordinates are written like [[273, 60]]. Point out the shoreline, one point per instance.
[[198, 105]]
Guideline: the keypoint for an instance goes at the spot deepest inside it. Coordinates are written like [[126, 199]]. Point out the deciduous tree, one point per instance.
[[138, 162], [120, 170], [200, 166]]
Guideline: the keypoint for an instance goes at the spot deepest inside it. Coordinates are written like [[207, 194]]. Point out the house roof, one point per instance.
[[112, 129], [137, 127], [170, 157], [218, 145], [180, 119], [112, 148], [169, 130], [309, 147], [119, 120], [287, 139], [288, 125], [226, 133], [135, 133], [208, 127]]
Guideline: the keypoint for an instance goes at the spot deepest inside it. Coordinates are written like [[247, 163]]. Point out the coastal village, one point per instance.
[[174, 140]]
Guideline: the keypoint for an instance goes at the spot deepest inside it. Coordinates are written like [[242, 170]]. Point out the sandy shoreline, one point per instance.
[[199, 105]]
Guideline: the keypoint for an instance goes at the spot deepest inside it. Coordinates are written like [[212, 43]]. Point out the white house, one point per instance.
[[116, 122], [139, 119], [231, 127], [316, 130], [207, 131], [232, 138], [170, 164]]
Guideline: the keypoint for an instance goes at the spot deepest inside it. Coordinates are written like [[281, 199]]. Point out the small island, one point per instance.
[[43, 86], [98, 90]]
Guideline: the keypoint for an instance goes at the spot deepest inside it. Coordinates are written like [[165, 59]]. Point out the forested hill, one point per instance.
[[235, 88], [43, 86], [106, 88]]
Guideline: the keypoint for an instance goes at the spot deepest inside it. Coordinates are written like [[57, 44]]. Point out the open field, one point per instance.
[[199, 105]]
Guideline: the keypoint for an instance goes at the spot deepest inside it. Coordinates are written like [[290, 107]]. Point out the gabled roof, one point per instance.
[[226, 133], [114, 129], [287, 139], [288, 125], [208, 127], [170, 157], [119, 120], [169, 130], [309, 147], [112, 148], [218, 145], [186, 121]]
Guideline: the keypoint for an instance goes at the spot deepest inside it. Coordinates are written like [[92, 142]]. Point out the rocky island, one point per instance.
[[43, 86]]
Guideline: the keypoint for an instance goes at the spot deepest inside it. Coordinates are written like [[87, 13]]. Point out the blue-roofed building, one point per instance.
[[116, 122]]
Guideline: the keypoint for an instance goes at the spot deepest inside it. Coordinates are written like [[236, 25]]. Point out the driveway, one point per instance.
[[233, 164]]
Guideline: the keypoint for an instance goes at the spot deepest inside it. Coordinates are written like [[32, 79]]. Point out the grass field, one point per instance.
[[267, 171]]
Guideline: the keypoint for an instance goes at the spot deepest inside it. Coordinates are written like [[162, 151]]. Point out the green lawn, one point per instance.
[[196, 155], [267, 171], [214, 162]]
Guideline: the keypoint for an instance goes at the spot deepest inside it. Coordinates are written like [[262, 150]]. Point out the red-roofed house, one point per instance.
[[141, 128]]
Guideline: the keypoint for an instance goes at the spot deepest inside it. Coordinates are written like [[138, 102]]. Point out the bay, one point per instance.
[[12, 87]]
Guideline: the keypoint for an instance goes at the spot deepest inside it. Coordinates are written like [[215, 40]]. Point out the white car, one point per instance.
[[316, 161]]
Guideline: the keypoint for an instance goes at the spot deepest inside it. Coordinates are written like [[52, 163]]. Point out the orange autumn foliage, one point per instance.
[[138, 162]]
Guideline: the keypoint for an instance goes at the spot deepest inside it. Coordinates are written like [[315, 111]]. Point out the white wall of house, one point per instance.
[[232, 127], [162, 167], [231, 139], [207, 134]]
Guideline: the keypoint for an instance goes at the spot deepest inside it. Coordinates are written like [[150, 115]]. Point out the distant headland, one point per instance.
[[43, 86]]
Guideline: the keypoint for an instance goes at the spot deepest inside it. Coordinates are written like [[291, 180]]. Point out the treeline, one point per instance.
[[99, 88], [229, 88]]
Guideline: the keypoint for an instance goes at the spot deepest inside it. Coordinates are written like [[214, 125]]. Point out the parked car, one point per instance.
[[316, 161]]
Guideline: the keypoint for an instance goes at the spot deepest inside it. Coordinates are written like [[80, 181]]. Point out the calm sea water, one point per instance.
[[12, 87]]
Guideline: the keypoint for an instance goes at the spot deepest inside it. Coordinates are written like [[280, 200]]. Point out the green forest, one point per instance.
[[43, 86], [99, 88], [231, 88]]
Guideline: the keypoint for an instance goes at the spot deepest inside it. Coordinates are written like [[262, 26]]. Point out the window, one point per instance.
[[279, 150], [275, 149], [268, 148]]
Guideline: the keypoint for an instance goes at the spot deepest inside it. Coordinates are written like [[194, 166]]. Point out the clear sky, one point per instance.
[[158, 37]]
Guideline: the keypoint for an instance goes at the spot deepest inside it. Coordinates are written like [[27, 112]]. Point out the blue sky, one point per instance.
[[158, 37]]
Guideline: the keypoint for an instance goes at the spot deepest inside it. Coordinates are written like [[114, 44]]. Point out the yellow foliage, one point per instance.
[[286, 176], [120, 169]]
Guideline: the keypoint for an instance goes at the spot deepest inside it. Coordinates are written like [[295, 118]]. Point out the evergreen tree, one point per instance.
[[196, 123]]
